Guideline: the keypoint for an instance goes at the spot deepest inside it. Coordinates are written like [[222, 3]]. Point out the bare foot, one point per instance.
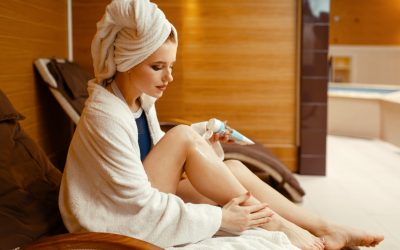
[[338, 236], [299, 237]]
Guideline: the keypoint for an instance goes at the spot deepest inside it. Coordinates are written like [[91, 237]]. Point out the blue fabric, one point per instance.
[[143, 136]]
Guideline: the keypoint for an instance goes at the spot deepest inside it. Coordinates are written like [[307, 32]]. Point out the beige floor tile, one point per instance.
[[361, 189]]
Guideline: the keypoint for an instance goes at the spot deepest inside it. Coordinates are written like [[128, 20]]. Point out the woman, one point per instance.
[[124, 175]]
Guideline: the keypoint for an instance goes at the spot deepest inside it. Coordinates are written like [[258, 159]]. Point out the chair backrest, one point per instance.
[[29, 184], [67, 82]]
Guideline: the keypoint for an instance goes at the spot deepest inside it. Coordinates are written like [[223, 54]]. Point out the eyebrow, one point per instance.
[[161, 62]]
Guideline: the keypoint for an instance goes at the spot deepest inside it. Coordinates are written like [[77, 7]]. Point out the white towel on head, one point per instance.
[[129, 32]]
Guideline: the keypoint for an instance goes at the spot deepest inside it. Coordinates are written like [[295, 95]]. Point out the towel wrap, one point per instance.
[[128, 33]]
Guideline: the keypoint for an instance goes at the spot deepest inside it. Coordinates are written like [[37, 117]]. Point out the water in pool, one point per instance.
[[362, 90]]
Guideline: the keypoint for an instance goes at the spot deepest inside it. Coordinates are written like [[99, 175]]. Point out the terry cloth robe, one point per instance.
[[105, 188]]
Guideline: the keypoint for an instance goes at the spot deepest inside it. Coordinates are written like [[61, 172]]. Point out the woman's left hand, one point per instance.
[[221, 137]]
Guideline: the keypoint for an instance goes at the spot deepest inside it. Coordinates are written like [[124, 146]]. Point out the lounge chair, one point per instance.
[[67, 81]]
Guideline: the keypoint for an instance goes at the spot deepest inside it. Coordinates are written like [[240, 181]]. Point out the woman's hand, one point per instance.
[[237, 218], [221, 137]]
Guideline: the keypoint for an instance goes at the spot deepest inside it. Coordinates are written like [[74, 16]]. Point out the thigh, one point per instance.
[[164, 163]]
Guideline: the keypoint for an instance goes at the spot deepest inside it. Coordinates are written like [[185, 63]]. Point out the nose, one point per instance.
[[168, 75]]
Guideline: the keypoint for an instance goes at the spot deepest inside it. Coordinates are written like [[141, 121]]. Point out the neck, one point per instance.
[[130, 95]]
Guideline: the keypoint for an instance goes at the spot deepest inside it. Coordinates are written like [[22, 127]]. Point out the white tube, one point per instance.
[[219, 127]]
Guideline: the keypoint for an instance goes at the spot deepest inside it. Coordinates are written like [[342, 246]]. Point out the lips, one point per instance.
[[162, 88]]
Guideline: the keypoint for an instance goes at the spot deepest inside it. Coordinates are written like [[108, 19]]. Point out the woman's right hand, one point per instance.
[[237, 218]]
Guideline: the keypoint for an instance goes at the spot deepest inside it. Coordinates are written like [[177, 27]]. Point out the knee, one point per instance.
[[184, 133]]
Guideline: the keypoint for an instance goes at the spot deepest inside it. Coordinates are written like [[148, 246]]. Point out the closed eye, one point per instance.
[[156, 67]]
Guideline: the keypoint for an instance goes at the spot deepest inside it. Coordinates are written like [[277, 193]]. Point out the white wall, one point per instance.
[[371, 64]]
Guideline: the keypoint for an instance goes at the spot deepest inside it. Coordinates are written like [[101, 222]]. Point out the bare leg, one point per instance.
[[296, 234], [336, 236], [189, 194], [182, 149]]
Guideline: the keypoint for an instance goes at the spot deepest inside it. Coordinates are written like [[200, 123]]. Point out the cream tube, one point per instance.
[[219, 127]]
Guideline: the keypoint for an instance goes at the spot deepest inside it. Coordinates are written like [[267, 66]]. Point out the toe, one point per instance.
[[319, 246]]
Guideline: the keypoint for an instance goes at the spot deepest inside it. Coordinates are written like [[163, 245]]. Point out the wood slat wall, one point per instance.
[[28, 30], [236, 61], [365, 22]]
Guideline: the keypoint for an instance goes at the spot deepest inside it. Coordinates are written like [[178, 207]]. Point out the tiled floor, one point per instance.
[[362, 187]]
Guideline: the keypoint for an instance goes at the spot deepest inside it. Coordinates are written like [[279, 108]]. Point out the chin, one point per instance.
[[156, 95]]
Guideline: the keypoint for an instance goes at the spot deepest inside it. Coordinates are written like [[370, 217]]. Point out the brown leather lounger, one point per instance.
[[72, 93], [260, 161]]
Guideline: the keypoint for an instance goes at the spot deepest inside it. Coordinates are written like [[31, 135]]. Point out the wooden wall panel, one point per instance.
[[365, 22], [236, 61], [28, 30], [85, 14]]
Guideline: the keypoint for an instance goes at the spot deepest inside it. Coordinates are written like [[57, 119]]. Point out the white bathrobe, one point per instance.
[[105, 188]]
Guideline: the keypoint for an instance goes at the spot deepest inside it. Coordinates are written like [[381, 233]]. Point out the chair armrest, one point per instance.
[[176, 121], [90, 240], [170, 123]]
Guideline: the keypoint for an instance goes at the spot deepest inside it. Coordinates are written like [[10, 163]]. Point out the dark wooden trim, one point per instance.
[[314, 42], [90, 240]]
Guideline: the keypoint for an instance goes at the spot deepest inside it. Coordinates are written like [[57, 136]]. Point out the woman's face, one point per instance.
[[153, 75]]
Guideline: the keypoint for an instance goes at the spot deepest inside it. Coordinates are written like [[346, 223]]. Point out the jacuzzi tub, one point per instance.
[[366, 111]]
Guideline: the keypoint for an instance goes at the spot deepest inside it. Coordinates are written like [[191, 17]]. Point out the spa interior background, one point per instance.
[[361, 186], [262, 65]]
